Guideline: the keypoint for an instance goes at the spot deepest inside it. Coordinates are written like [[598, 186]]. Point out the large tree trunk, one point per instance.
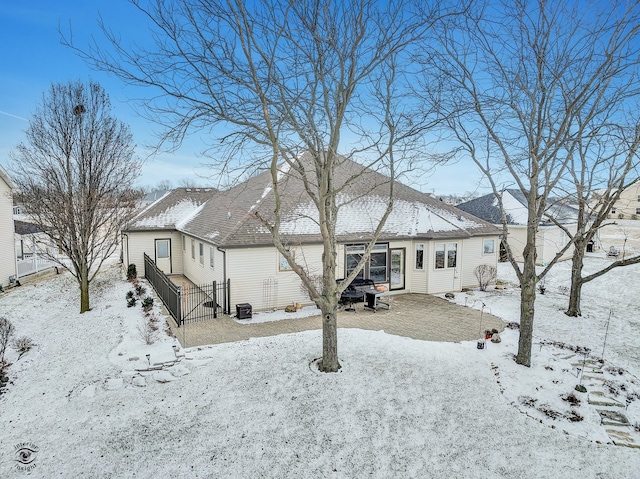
[[576, 281], [527, 301], [330, 363], [84, 290]]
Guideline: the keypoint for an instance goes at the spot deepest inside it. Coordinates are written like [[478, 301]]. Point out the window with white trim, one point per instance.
[[420, 256], [488, 246], [446, 255], [283, 264], [376, 268], [211, 253], [201, 251], [193, 249]]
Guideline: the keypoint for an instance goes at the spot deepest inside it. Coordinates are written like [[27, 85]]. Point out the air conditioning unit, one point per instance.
[[243, 311]]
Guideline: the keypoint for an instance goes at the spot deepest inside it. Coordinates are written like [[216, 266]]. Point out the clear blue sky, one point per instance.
[[33, 58]]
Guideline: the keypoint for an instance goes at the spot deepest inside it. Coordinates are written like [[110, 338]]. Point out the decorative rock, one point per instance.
[[581, 389], [495, 338], [499, 286], [178, 370], [113, 383], [164, 377], [89, 391], [449, 295], [134, 358], [139, 381]]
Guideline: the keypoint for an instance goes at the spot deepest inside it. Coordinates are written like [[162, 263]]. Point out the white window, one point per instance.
[[193, 249], [201, 251], [211, 253], [184, 243], [420, 256], [376, 268], [448, 251], [283, 264], [489, 246]]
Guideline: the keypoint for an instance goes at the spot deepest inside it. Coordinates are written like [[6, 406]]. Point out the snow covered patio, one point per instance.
[[417, 316], [92, 404]]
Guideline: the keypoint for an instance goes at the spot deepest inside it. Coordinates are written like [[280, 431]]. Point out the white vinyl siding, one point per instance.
[[7, 246], [142, 242], [473, 257]]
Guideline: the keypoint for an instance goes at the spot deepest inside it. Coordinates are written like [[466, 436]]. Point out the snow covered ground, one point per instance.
[[87, 402]]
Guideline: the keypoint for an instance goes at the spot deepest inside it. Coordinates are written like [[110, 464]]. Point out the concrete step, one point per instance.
[[612, 418], [624, 436]]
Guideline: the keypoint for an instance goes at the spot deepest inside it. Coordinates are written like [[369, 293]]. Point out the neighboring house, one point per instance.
[[628, 205], [152, 197], [426, 246], [550, 239], [7, 257], [30, 239]]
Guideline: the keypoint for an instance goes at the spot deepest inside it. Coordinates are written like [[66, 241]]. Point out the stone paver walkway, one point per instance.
[[415, 316]]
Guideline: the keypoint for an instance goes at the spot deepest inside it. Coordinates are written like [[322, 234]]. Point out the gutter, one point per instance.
[[122, 246]]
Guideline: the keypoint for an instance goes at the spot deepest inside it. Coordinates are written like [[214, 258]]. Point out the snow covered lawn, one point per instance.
[[84, 396]]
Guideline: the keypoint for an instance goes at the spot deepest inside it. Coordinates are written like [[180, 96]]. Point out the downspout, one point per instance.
[[122, 246], [224, 274]]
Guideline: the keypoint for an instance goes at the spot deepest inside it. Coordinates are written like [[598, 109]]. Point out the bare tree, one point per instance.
[[525, 82], [270, 80], [605, 163], [75, 173]]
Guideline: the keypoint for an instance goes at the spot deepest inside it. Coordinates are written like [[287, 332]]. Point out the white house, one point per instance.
[[7, 256], [628, 205], [207, 235], [550, 238]]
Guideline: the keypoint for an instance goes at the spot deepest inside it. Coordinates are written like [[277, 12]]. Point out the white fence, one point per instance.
[[32, 265]]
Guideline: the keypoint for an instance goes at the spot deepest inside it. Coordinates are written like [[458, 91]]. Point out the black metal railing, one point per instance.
[[189, 303], [168, 292], [205, 301]]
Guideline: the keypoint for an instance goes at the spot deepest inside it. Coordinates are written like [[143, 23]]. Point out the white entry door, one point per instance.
[[397, 268], [163, 255]]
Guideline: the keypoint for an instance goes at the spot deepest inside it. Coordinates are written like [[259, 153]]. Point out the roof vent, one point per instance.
[[228, 215]]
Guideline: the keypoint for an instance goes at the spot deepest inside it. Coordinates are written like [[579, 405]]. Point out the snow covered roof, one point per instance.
[[230, 218], [26, 228], [515, 207], [171, 208]]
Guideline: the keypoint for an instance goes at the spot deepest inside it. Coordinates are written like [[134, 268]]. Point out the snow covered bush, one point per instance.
[[485, 274], [148, 329], [22, 345], [147, 303], [6, 331], [131, 272]]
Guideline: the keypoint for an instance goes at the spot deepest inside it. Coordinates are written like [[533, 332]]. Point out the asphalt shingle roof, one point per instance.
[[230, 218], [515, 206]]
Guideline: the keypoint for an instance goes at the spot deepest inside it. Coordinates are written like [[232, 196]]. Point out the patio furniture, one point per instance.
[[373, 301], [613, 252], [363, 290], [350, 297]]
